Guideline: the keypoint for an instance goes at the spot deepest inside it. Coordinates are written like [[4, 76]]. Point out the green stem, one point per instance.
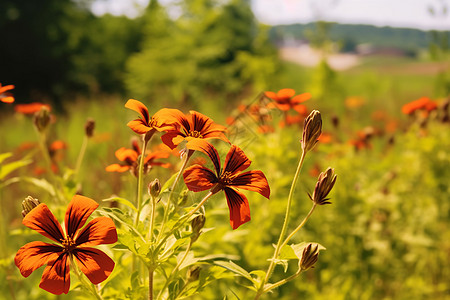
[[152, 219], [150, 283], [169, 279], [83, 280], [81, 156], [299, 226], [283, 281], [283, 229], [42, 137], [140, 183], [167, 208]]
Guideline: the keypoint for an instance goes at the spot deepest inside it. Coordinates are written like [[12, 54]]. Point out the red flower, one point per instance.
[[73, 244], [285, 99], [195, 126], [131, 162], [30, 108], [160, 121], [228, 179], [5, 96]]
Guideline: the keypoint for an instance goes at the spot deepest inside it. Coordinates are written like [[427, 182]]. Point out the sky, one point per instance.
[[394, 13]]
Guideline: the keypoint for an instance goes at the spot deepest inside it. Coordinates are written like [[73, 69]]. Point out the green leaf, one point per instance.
[[41, 183], [236, 269], [10, 167], [189, 260], [122, 201]]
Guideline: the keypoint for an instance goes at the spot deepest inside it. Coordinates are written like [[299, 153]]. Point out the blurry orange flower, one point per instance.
[[285, 99], [5, 96], [131, 162], [160, 121], [58, 145], [30, 108], [191, 128], [74, 244], [354, 102], [423, 103], [325, 138], [228, 179]]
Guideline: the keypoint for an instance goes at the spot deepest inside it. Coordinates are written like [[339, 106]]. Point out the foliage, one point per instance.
[[212, 49]]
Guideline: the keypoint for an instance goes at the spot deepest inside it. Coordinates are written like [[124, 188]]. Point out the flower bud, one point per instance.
[[325, 183], [197, 224], [42, 119], [89, 127], [193, 273], [309, 257], [312, 129], [154, 188], [28, 204]]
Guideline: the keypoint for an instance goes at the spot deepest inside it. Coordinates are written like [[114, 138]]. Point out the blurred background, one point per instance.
[[379, 72]]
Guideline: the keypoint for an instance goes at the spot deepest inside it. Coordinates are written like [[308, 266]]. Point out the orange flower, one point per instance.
[[131, 162], [423, 103], [5, 96], [195, 126], [228, 179], [73, 244], [30, 108], [285, 99], [160, 121]]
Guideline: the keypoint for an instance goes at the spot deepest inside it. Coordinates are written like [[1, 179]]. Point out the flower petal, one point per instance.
[[236, 160], [301, 98], [6, 88], [78, 211], [43, 221], [140, 108], [208, 149], [56, 277], [123, 154], [34, 255], [270, 95], [117, 168], [139, 126], [252, 181], [98, 231], [94, 263], [7, 99], [285, 93], [198, 178], [166, 119], [238, 206], [168, 139]]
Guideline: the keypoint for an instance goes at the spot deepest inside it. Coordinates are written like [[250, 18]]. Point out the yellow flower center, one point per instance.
[[195, 134], [68, 244]]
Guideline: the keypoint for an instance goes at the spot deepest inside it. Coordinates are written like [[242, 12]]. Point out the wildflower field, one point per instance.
[[160, 203], [224, 174]]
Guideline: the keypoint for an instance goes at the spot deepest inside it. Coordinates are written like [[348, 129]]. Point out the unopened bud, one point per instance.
[[42, 119], [28, 204], [193, 273], [197, 224], [312, 129], [154, 188], [309, 257], [325, 183], [89, 127]]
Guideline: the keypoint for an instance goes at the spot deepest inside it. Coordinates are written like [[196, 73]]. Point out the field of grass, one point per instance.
[[386, 231]]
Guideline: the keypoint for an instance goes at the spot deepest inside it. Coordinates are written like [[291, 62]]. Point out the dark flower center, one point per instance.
[[226, 178], [68, 244], [195, 134]]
